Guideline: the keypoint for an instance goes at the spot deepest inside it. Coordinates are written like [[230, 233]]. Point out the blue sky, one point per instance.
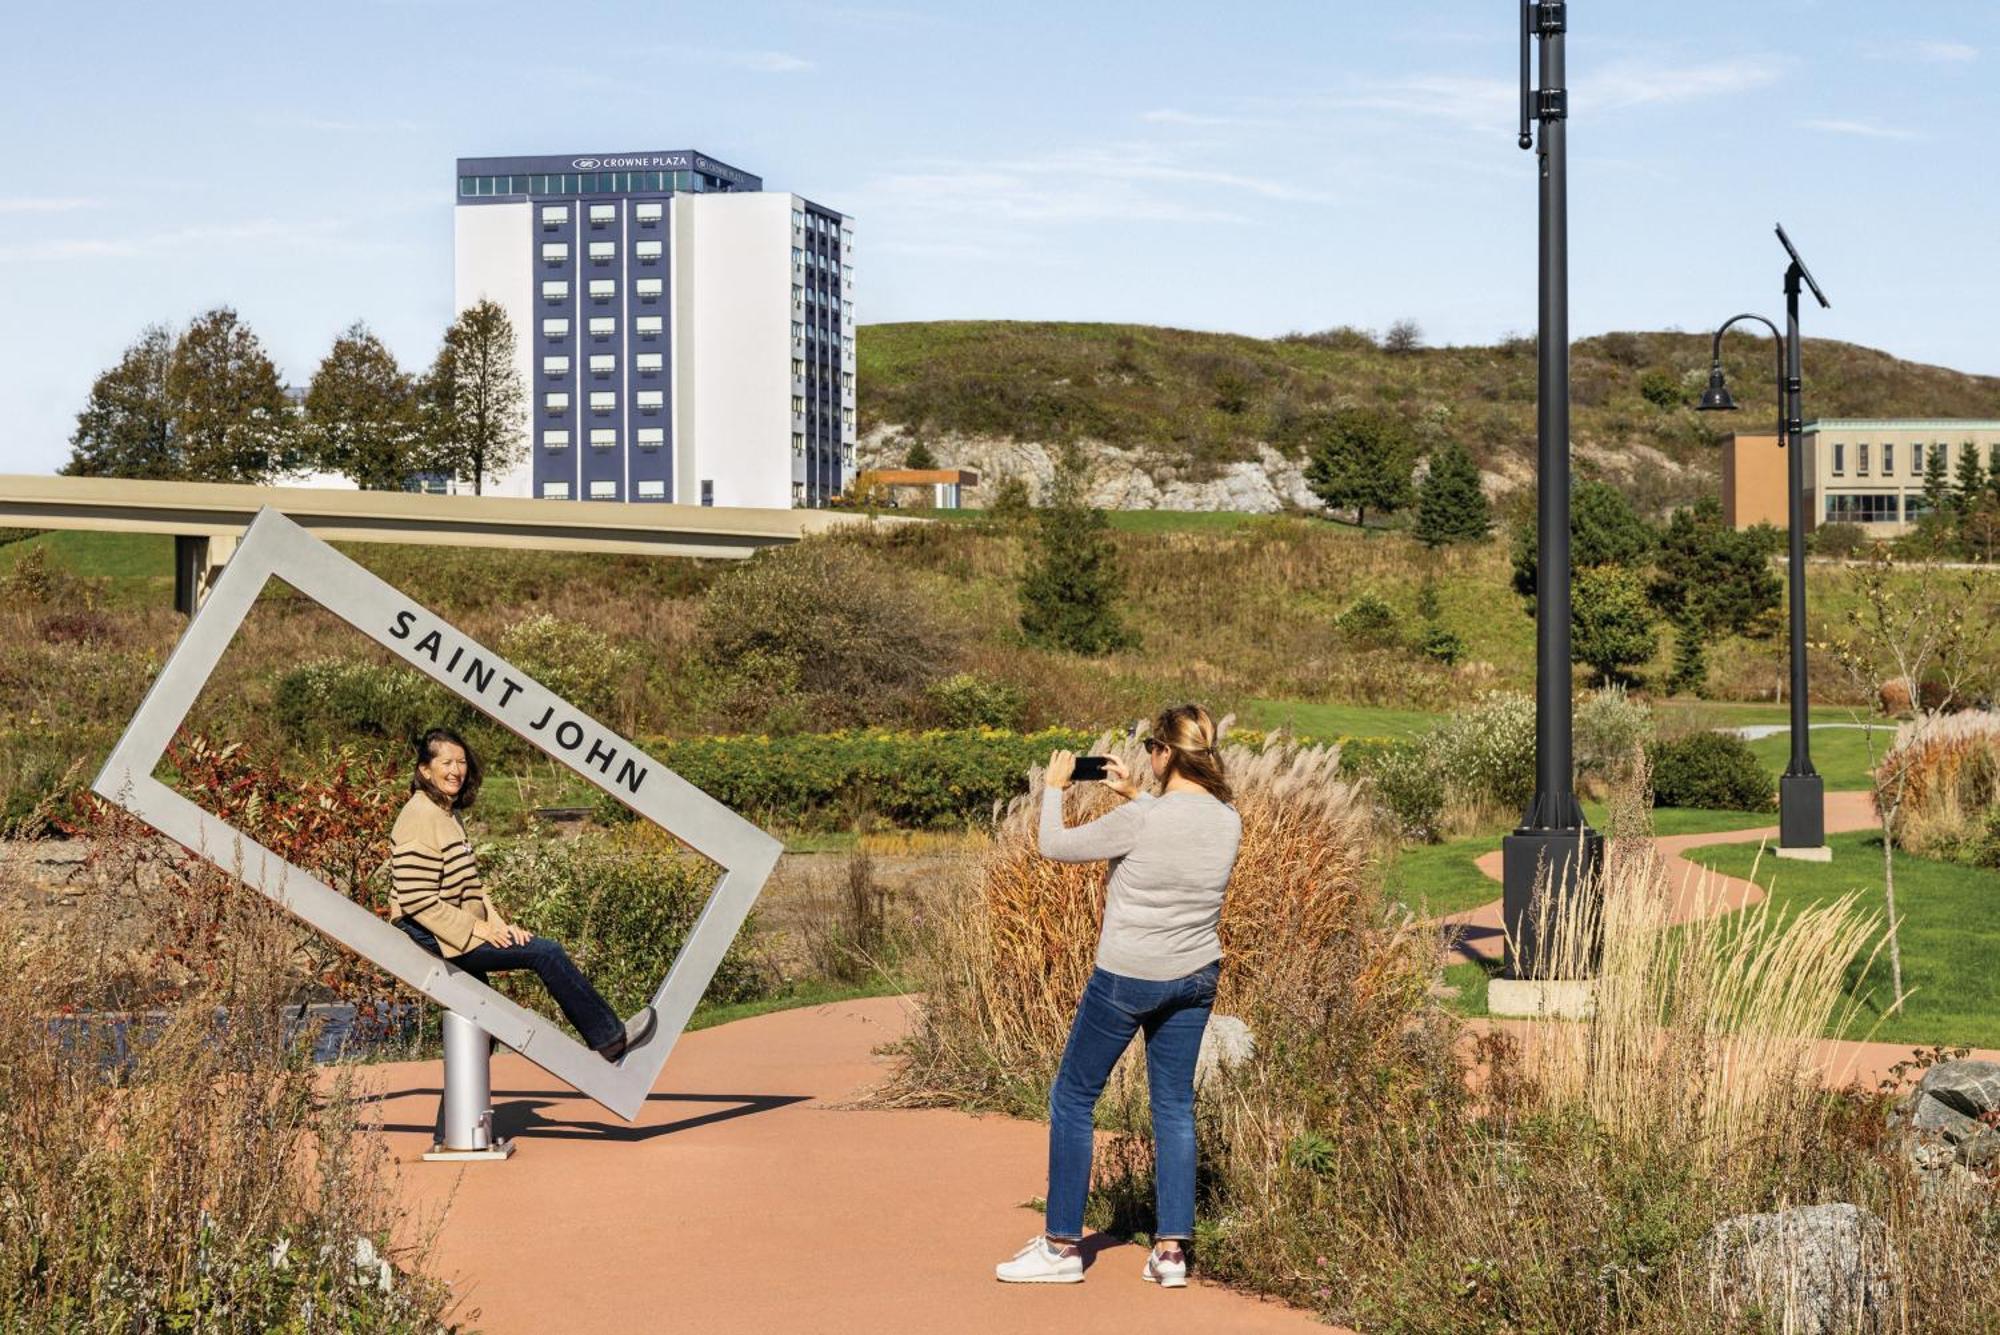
[[1255, 167]]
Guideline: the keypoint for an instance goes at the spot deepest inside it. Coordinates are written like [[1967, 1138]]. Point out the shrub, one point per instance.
[[1661, 389], [1011, 500], [1839, 539], [337, 700], [1441, 645], [576, 662], [1487, 753], [1406, 783], [821, 632], [622, 907], [1949, 772], [1611, 620], [1071, 587], [1608, 730], [1715, 771], [967, 700], [1368, 622]]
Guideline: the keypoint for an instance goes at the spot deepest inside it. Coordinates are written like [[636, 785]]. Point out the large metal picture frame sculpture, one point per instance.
[[274, 546]]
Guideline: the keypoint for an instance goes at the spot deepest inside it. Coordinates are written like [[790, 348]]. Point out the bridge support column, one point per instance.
[[467, 1121], [198, 562]]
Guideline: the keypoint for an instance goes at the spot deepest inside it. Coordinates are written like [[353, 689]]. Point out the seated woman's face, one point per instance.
[[445, 770]]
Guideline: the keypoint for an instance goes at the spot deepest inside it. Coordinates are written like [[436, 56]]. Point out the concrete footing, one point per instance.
[[1808, 854], [1542, 998]]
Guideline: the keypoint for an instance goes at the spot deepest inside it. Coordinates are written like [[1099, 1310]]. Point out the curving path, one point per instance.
[[746, 1199]]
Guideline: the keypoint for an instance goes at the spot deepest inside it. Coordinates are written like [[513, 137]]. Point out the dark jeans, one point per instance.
[[587, 1011], [1173, 1015]]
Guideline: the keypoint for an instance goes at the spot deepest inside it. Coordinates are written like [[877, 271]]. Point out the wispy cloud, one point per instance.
[[1485, 104], [1861, 129], [754, 61], [323, 235], [343, 125], [1926, 51], [1199, 120], [45, 203]]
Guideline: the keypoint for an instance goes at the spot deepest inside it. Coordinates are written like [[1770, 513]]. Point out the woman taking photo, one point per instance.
[[440, 903], [1158, 958]]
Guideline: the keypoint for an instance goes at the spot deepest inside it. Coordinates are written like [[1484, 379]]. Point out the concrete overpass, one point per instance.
[[206, 518]]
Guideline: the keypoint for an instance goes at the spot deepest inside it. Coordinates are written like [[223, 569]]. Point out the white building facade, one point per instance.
[[684, 335]]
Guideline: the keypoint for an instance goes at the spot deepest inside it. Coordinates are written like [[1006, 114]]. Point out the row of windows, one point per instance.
[[1919, 460], [606, 438], [1862, 508], [646, 214], [605, 363], [606, 401], [604, 326], [586, 183], [602, 252], [603, 289], [606, 489]]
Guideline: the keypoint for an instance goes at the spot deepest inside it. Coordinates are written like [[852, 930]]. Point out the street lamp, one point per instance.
[[1801, 791], [1552, 851]]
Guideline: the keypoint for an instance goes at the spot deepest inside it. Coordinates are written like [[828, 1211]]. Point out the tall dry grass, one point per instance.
[[1948, 769], [170, 1158]]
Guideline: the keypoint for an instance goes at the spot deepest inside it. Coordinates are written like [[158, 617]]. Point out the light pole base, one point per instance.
[[1801, 812], [1542, 998], [1820, 854], [1562, 861]]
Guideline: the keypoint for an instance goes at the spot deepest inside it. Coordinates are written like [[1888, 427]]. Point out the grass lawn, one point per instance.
[[139, 566], [1950, 935], [1839, 754], [1329, 720], [813, 992]]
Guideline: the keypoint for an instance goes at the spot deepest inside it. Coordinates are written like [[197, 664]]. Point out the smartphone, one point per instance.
[[1090, 769]]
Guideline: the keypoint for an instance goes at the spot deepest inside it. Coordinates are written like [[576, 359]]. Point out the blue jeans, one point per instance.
[[587, 1012], [1173, 1015]]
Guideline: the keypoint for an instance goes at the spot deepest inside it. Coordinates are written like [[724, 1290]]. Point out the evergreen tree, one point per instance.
[[472, 398], [361, 417], [1937, 486], [1611, 620], [1362, 459], [231, 421], [1604, 530], [920, 456], [1690, 670], [1970, 478], [1011, 500], [1069, 592], [125, 428], [1720, 578], [1450, 505]]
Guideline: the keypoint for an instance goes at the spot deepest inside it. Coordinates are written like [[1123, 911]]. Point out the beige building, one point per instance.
[[1866, 471]]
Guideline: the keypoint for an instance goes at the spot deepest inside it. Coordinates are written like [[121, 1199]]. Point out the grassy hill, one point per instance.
[[1207, 399]]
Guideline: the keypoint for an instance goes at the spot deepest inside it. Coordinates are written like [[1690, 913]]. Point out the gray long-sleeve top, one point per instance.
[[1170, 862]]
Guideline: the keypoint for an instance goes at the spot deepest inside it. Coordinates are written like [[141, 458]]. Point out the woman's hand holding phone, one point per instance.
[[1062, 764], [1118, 779]]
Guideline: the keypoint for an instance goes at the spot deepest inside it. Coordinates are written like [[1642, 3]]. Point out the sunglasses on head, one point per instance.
[[1153, 744]]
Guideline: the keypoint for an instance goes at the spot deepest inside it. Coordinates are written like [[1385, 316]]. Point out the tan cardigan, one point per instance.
[[436, 882]]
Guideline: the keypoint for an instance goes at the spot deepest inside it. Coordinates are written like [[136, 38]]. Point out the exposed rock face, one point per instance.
[[1968, 1087], [1817, 1269], [1226, 1042], [1948, 1119]]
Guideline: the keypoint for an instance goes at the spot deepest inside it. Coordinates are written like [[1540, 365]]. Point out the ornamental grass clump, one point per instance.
[[1949, 771]]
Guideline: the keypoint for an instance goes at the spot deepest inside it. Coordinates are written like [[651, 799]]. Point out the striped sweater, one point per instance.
[[436, 882]]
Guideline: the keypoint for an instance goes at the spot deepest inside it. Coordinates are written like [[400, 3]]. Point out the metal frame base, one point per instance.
[[1565, 861], [465, 1111], [1801, 813], [499, 1149]]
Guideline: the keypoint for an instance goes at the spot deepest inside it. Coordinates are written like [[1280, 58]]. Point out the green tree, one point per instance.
[[1010, 499], [1450, 505], [1662, 389], [361, 418], [472, 398], [1360, 458], [1604, 530], [920, 456], [231, 421], [125, 429], [1071, 588], [1690, 670], [1970, 478], [1611, 619], [1937, 486], [1719, 577]]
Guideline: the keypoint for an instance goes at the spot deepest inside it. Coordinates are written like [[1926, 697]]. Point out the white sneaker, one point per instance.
[[1039, 1263], [1166, 1274]]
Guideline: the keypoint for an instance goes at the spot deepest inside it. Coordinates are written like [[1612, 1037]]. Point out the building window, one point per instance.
[[603, 437], [1861, 459], [603, 401], [604, 489], [555, 440], [554, 215], [649, 288], [603, 289], [707, 492], [651, 400], [1941, 457], [648, 213], [555, 289], [650, 326], [1861, 508], [556, 402], [555, 366], [649, 361], [600, 214], [652, 437], [603, 326], [1888, 458], [798, 405], [1917, 459], [649, 250], [652, 489], [601, 252], [555, 252], [798, 443], [555, 329], [798, 368], [603, 363], [555, 491]]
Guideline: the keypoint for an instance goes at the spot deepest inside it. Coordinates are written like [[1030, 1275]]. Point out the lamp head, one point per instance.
[[1716, 397]]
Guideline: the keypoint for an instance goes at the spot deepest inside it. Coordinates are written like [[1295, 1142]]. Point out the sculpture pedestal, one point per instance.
[[468, 1096]]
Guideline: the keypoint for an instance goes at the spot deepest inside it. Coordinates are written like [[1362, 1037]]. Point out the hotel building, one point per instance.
[[683, 334], [1866, 471]]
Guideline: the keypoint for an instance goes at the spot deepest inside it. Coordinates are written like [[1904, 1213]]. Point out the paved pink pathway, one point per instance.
[[742, 1201]]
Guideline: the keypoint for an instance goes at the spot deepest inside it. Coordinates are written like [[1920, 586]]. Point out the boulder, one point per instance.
[[1226, 1042], [1932, 1114], [1982, 1150], [1815, 1270], [1968, 1087]]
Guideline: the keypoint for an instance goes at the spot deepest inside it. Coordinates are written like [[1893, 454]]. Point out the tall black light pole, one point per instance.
[[1553, 847], [1801, 791]]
